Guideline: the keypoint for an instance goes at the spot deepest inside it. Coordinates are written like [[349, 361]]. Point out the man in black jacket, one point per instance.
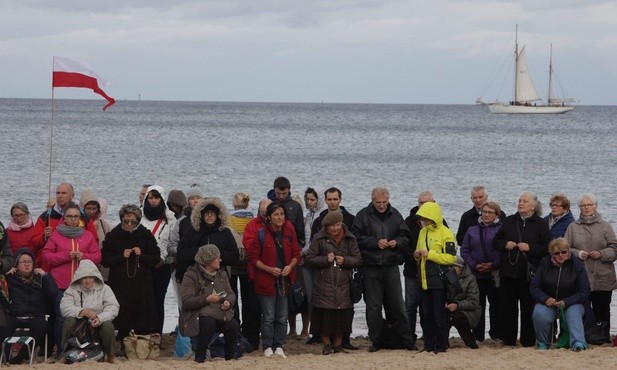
[[479, 196], [382, 233]]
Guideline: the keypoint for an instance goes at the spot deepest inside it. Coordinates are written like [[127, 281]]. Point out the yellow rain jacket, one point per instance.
[[440, 243]]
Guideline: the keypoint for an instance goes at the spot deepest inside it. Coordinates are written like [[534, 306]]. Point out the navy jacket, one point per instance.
[[568, 283]]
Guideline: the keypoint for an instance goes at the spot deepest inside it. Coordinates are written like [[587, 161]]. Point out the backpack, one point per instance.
[[217, 346]]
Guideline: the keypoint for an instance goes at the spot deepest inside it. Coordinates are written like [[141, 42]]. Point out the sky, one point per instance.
[[334, 51]]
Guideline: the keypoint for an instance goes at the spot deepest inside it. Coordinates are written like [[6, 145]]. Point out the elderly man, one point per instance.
[[382, 234], [479, 196]]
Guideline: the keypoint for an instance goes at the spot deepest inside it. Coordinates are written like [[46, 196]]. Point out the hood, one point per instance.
[[160, 191], [432, 211], [196, 219], [321, 200], [20, 252], [88, 195], [86, 268], [104, 204]]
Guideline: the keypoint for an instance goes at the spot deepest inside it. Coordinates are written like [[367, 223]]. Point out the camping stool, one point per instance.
[[25, 341]]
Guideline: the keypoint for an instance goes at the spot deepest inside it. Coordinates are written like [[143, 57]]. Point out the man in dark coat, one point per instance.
[[479, 196]]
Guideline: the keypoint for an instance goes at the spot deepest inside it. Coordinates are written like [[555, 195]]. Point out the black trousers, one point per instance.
[[207, 327], [512, 292], [488, 291], [250, 314], [460, 322], [160, 283]]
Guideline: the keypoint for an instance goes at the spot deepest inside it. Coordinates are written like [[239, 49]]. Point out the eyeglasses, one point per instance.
[[24, 262], [555, 205], [560, 253], [71, 216], [130, 222], [485, 212], [586, 205]]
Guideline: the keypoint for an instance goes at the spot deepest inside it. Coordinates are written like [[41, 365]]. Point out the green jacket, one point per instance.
[[468, 301]]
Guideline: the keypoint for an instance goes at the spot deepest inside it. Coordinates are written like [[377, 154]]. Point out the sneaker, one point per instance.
[[268, 352], [542, 346], [279, 351], [578, 346]]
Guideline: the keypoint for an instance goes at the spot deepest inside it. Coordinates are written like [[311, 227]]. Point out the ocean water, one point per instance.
[[230, 147]]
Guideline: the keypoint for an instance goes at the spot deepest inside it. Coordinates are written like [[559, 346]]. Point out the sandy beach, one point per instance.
[[490, 355]]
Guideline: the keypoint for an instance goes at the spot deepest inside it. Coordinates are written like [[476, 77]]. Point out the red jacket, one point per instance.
[[26, 238], [264, 282]]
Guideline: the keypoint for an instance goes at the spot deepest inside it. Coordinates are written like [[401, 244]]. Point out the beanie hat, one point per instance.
[[206, 254], [332, 218], [177, 197], [194, 191]]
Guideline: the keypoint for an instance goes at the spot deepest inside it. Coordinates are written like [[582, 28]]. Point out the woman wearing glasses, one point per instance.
[[21, 231], [130, 252], [560, 217], [593, 241], [560, 283]]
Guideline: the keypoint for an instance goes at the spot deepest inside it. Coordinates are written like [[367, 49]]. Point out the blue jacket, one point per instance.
[[568, 283], [560, 226]]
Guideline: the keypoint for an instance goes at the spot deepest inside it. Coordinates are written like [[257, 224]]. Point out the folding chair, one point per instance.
[[29, 342]]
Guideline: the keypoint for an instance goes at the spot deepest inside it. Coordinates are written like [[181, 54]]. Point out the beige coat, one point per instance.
[[595, 234]]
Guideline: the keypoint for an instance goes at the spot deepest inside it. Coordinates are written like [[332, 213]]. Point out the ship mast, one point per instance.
[[516, 66], [550, 75]]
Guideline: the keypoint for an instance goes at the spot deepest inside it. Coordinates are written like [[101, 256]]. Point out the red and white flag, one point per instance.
[[77, 73]]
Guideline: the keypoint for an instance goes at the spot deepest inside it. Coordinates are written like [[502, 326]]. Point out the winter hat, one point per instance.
[[194, 191], [210, 207], [177, 197], [206, 254], [88, 196], [332, 218], [459, 262], [21, 206]]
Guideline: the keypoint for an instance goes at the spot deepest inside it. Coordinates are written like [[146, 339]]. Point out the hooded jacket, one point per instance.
[[100, 298], [101, 225], [200, 234], [368, 228], [312, 215], [28, 296], [595, 234], [162, 231], [440, 243]]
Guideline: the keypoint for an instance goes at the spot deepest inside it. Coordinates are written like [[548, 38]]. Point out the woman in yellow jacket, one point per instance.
[[435, 253]]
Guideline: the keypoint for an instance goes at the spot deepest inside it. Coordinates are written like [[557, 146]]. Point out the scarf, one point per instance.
[[71, 232], [14, 227], [30, 280], [154, 213]]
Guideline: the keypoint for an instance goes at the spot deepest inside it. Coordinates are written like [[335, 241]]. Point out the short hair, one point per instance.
[[273, 207], [558, 244], [478, 188], [130, 209], [561, 198], [589, 196], [72, 205], [494, 206], [534, 198], [282, 183], [332, 190], [427, 193], [240, 200], [69, 185], [380, 191]]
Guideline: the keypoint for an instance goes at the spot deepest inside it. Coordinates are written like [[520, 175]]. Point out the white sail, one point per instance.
[[525, 90]]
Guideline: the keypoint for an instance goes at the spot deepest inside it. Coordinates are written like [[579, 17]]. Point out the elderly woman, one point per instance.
[[89, 297], [273, 256], [560, 217], [478, 253], [560, 282], [130, 253], [333, 254], [207, 301], [522, 242], [208, 226], [435, 252], [29, 288], [21, 231], [593, 241]]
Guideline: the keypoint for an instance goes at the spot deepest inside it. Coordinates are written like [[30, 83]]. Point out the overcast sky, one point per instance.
[[362, 51]]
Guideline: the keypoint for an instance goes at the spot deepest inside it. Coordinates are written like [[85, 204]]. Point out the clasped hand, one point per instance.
[[127, 252]]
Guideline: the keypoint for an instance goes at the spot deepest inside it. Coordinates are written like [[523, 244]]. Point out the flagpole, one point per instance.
[[51, 138]]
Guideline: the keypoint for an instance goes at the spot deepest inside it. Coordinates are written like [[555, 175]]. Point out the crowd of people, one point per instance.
[[238, 273]]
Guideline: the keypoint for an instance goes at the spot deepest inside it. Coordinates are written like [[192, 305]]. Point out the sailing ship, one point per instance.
[[525, 100]]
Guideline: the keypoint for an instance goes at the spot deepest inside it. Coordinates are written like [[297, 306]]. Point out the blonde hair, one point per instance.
[[559, 244], [240, 200], [494, 206]]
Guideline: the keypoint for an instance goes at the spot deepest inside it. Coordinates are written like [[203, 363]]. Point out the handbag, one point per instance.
[[599, 333], [355, 286], [451, 283], [296, 298], [142, 346]]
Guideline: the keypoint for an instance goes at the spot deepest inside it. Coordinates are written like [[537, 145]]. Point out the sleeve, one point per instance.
[[111, 307], [92, 251], [466, 251], [360, 230], [230, 254], [472, 297], [52, 255], [535, 286], [191, 300], [354, 260], [174, 238], [150, 252], [462, 230], [402, 239], [539, 249], [68, 305], [109, 256], [313, 258], [609, 253]]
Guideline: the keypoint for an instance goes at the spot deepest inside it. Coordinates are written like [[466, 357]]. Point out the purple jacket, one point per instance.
[[472, 251]]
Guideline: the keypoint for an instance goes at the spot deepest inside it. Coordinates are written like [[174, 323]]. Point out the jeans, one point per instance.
[[273, 320], [412, 302], [544, 316]]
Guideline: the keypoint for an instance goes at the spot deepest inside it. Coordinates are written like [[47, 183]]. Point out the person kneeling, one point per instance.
[[464, 310], [207, 301], [89, 297]]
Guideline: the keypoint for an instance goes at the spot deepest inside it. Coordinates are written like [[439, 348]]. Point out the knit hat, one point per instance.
[[332, 218], [194, 191], [21, 206], [177, 197], [206, 254]]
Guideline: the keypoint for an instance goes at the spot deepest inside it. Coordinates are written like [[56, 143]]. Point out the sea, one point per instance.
[[228, 147]]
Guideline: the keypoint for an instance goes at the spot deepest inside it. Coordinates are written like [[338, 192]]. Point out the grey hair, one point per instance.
[[129, 209], [427, 193], [478, 188], [537, 205], [380, 192], [589, 196]]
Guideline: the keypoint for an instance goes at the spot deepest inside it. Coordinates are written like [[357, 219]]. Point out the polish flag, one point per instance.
[[77, 73]]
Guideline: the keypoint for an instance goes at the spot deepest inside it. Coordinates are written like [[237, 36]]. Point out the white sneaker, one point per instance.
[[268, 352], [279, 351]]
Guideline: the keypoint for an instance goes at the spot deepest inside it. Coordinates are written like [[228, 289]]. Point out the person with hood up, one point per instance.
[[96, 209], [29, 288], [88, 296], [435, 253], [209, 226], [464, 310], [159, 220]]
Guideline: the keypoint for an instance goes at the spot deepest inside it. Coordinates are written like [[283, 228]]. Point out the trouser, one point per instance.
[[460, 322], [273, 320], [513, 291], [251, 309], [105, 332], [435, 326], [488, 291], [544, 317], [58, 321], [412, 302], [378, 279], [37, 325], [160, 284], [601, 305], [207, 327]]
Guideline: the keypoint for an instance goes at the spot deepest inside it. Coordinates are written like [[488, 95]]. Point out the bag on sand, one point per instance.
[[142, 347]]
